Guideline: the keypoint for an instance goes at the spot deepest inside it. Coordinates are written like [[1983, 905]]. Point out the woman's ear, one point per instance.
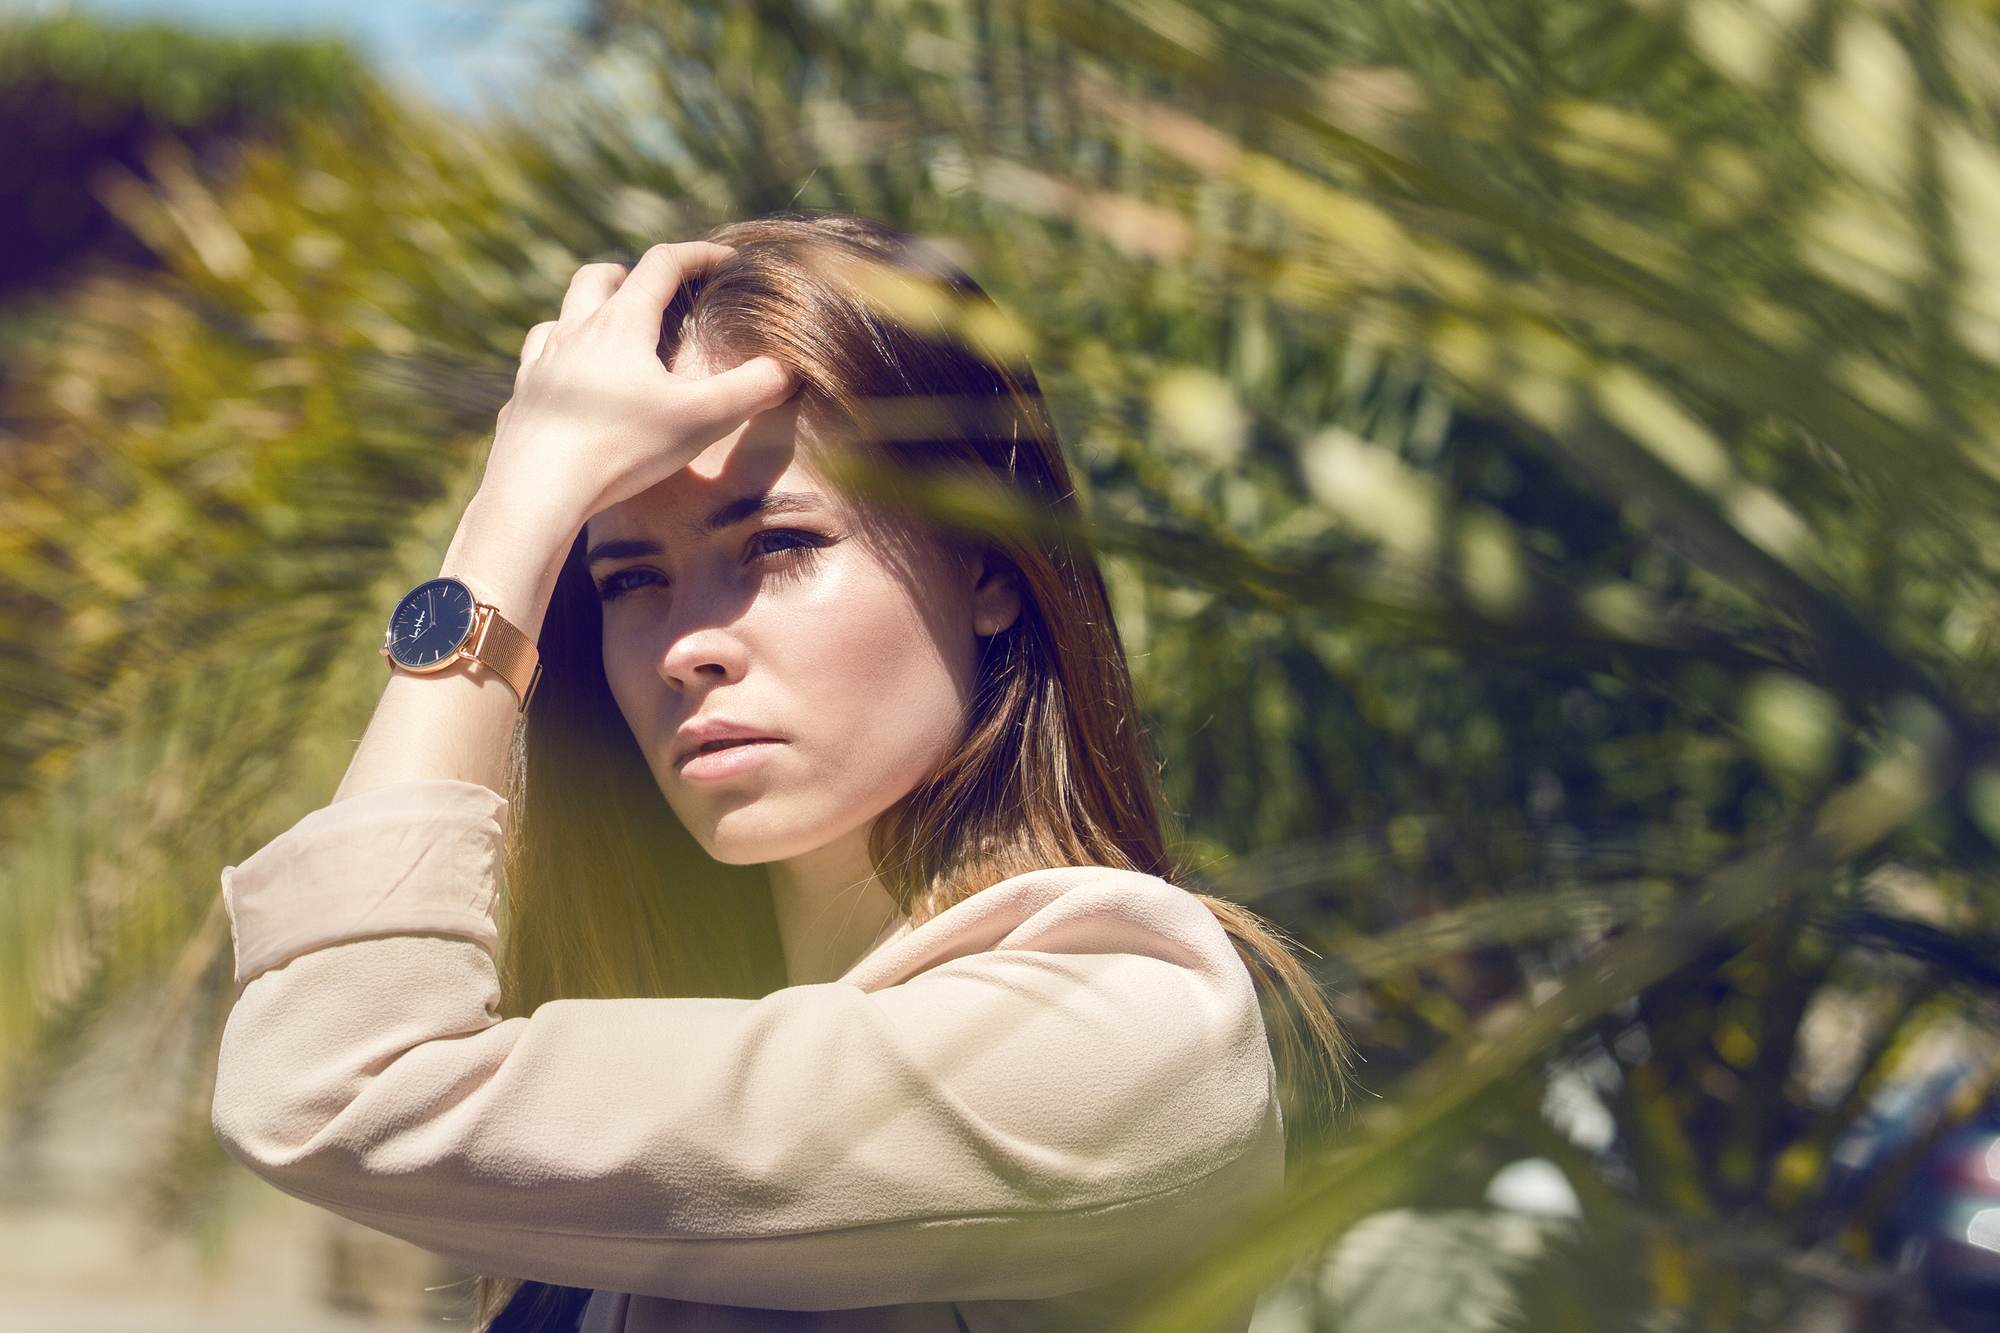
[[996, 594]]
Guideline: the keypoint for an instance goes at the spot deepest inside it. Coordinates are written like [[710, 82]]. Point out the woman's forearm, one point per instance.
[[459, 722], [595, 418]]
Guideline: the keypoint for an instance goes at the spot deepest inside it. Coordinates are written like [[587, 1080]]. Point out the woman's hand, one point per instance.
[[596, 417]]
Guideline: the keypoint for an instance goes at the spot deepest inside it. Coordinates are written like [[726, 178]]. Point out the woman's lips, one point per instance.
[[729, 760]]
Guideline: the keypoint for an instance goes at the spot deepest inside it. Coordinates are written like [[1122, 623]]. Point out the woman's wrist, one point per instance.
[[509, 554]]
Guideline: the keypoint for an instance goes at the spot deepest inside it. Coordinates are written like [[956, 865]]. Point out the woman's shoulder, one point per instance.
[[1075, 909], [1096, 967]]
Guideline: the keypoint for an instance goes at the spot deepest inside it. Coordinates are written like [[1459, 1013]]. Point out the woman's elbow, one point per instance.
[[275, 1116], [263, 1130]]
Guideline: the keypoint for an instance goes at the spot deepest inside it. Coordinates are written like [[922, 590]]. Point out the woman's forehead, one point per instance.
[[731, 475]]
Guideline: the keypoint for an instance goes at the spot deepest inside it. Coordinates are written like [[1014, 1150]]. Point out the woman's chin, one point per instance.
[[748, 837]]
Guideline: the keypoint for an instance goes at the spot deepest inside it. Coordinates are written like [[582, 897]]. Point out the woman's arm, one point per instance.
[[458, 723], [1048, 1087], [594, 419]]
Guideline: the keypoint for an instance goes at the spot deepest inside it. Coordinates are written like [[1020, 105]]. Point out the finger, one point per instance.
[[531, 342], [650, 286], [718, 404], [589, 288], [532, 345]]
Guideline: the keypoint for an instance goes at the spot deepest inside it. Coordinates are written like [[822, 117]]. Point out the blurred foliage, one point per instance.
[[1544, 454], [77, 95]]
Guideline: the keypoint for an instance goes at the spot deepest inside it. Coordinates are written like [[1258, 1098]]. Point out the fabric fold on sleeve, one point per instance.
[[1047, 1088], [421, 855]]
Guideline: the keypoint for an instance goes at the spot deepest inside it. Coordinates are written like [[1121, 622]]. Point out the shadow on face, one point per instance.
[[743, 588]]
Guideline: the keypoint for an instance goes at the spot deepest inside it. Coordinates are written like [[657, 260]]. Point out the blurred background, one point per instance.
[[1544, 453]]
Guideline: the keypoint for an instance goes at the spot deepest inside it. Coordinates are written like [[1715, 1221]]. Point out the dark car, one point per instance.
[[1943, 1222]]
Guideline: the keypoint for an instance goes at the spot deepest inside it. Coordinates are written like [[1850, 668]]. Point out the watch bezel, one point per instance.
[[450, 655]]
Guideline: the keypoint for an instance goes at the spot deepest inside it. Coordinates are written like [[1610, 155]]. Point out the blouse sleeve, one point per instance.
[[1051, 1113]]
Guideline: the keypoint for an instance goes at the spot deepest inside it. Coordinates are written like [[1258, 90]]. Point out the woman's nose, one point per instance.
[[710, 654]]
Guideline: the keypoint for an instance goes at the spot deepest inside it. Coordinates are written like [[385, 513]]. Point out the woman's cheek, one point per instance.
[[639, 692], [618, 668]]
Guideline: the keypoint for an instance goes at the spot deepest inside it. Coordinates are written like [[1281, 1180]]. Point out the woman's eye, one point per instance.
[[807, 540], [610, 586], [772, 544], [798, 549]]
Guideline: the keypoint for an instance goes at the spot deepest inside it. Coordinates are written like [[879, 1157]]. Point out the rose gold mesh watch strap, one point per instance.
[[497, 644]]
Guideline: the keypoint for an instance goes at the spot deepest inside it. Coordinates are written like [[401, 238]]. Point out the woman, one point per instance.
[[886, 1008]]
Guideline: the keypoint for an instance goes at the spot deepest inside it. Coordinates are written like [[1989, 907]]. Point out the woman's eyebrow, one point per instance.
[[727, 515], [752, 506]]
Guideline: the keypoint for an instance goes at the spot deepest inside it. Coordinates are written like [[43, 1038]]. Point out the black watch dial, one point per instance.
[[430, 623]]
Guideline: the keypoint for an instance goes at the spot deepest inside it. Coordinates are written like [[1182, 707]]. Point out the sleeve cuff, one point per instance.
[[413, 856]]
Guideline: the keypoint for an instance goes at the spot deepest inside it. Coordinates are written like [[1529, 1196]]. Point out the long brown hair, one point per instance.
[[1054, 768]]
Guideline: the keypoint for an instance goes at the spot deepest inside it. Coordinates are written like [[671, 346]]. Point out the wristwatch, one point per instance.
[[441, 620]]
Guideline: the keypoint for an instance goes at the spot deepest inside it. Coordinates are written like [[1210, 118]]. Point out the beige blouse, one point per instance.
[[1014, 1116]]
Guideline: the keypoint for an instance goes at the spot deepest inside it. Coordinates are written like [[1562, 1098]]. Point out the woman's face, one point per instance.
[[856, 648]]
